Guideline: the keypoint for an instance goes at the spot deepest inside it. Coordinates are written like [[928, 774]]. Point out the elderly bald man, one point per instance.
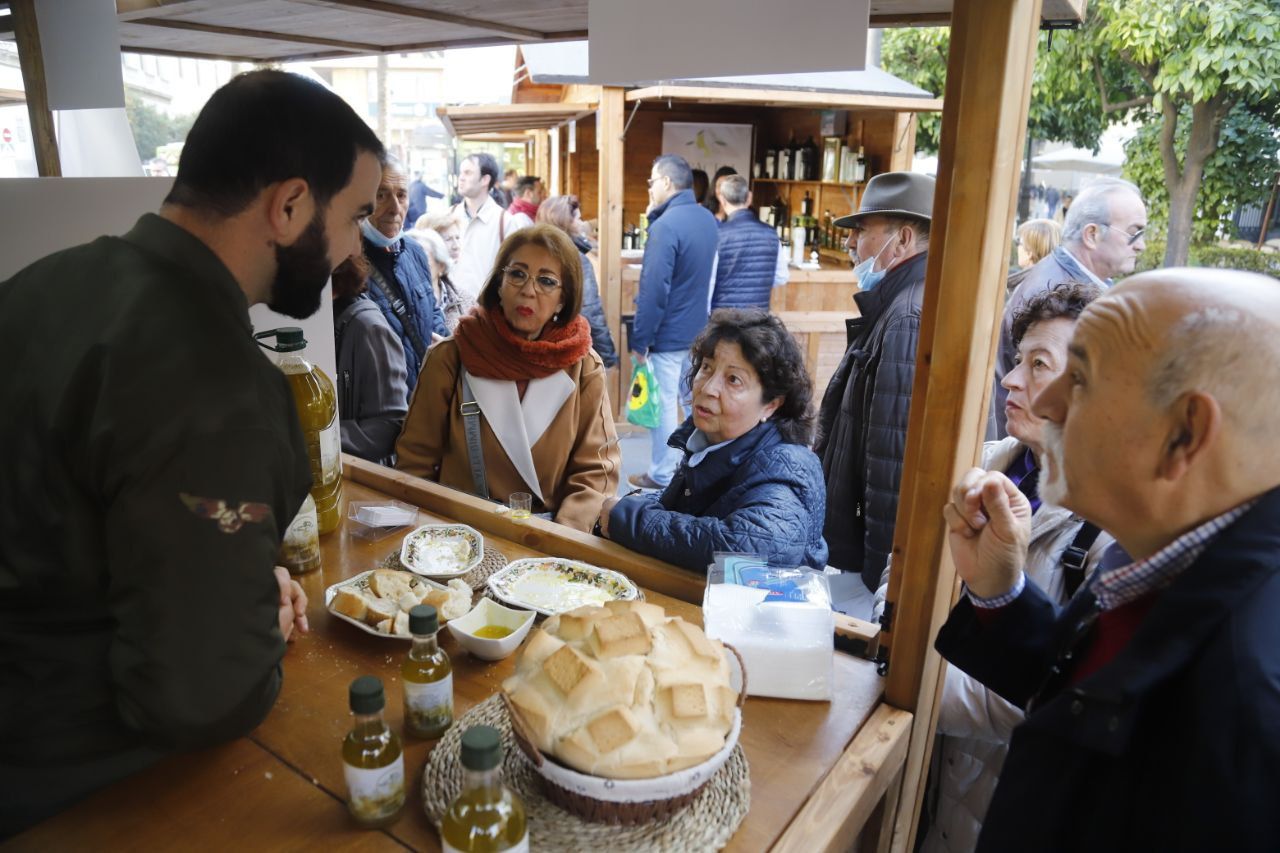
[[1154, 696]]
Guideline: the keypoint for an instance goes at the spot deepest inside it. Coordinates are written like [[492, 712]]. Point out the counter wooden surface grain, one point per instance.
[[282, 787]]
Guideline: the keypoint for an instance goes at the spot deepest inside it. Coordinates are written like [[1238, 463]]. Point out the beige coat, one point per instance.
[[575, 461]]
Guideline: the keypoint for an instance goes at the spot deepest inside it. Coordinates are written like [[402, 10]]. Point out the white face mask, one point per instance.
[[868, 276], [376, 237]]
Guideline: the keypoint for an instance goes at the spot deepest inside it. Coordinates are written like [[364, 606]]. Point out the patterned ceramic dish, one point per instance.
[[360, 583], [551, 585], [442, 550]]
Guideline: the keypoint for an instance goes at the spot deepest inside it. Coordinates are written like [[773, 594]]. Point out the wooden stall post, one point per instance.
[[983, 123], [26, 32], [609, 124]]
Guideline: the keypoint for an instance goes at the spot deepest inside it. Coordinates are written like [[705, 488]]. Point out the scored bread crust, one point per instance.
[[623, 691], [392, 594]]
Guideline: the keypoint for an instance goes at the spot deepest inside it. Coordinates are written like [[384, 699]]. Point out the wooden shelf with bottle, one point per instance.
[[809, 183]]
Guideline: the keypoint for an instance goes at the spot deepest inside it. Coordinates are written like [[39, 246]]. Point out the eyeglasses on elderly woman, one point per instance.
[[515, 278]]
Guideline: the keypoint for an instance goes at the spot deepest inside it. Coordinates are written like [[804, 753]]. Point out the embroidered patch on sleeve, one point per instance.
[[229, 520]]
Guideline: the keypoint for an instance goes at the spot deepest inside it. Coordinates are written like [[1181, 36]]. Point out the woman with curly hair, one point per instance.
[[749, 482]]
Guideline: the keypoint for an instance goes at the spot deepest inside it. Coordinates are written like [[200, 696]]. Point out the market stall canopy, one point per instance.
[[566, 64], [465, 122], [1108, 160], [290, 30]]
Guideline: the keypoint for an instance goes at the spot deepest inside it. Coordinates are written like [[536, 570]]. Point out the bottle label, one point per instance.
[[375, 793], [300, 551], [521, 846], [430, 705], [330, 452]]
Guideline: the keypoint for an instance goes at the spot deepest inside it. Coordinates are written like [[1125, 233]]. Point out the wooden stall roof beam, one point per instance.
[[988, 89], [213, 29], [27, 34], [535, 533], [610, 124], [782, 98], [400, 11], [464, 121]]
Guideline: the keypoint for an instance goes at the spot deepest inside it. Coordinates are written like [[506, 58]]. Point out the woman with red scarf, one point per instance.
[[524, 356]]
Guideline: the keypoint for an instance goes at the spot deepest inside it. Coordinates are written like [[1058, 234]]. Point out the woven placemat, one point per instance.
[[706, 824], [476, 578]]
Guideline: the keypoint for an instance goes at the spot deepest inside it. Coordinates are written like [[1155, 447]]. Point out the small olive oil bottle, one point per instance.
[[428, 678], [487, 816], [372, 758]]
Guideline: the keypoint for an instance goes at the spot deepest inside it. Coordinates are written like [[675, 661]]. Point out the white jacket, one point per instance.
[[974, 724]]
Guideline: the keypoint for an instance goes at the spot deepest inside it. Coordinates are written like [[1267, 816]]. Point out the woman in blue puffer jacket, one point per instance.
[[749, 484]]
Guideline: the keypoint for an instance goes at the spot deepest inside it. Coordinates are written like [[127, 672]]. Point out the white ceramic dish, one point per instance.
[[490, 612], [551, 585], [419, 552], [361, 582]]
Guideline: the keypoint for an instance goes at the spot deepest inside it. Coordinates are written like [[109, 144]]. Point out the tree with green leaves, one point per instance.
[[153, 128], [1189, 70]]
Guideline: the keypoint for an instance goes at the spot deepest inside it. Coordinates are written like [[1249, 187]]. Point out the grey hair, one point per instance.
[[394, 166], [433, 244], [676, 168], [1093, 205], [734, 189], [1210, 351]]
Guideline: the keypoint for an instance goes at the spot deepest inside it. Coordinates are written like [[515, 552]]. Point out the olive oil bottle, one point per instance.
[[487, 816], [428, 678], [317, 405], [372, 758]]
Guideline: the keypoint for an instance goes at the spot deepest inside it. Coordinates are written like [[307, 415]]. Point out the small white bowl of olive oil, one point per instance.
[[491, 631]]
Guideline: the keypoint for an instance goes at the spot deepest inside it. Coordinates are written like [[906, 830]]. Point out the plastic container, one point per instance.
[[317, 406]]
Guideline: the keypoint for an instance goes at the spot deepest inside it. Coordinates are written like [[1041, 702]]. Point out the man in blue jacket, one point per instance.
[[1153, 697], [400, 275], [672, 303], [747, 267]]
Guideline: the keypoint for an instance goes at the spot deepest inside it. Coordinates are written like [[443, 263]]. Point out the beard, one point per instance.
[[1053, 483], [302, 271]]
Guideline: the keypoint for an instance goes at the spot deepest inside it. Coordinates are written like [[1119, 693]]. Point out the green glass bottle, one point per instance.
[[487, 816], [372, 758], [428, 678]]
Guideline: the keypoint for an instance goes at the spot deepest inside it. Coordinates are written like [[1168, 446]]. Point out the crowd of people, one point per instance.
[[1118, 544]]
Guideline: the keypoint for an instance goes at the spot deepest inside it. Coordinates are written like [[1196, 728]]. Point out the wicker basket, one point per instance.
[[629, 813]]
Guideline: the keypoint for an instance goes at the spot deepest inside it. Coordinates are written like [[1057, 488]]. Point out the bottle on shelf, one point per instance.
[[860, 167], [828, 231], [372, 758], [806, 204], [428, 678], [487, 815], [811, 164], [784, 163], [771, 163], [642, 233], [317, 406], [797, 241]]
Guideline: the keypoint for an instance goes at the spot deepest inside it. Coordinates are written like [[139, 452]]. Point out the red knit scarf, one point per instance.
[[491, 349], [524, 206]]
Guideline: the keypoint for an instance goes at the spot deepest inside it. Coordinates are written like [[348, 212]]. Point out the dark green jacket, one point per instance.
[[152, 459]]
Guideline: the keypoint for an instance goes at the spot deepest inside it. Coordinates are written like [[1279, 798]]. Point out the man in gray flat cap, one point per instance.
[[863, 419]]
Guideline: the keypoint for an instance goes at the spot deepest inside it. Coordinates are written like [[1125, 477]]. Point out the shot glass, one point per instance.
[[521, 504]]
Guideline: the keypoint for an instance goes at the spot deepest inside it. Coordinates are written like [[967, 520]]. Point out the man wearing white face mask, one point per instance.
[[863, 419], [400, 274]]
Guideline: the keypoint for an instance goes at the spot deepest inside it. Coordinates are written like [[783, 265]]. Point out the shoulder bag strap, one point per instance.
[[1076, 555], [475, 453], [398, 308]]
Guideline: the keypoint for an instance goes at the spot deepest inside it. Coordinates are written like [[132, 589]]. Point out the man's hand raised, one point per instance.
[[989, 526]]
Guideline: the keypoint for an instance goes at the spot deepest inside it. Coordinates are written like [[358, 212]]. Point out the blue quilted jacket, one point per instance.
[[748, 261], [406, 264], [759, 495]]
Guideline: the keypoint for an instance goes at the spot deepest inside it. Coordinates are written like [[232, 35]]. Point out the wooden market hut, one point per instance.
[[559, 111], [874, 788]]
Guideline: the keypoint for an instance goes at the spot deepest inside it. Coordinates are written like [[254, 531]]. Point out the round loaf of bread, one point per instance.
[[623, 691]]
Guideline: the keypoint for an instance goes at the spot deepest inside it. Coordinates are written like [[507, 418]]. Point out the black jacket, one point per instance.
[[1172, 745], [863, 422], [593, 309]]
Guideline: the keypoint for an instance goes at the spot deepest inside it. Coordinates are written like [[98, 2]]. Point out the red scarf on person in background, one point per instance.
[[523, 205], [491, 349]]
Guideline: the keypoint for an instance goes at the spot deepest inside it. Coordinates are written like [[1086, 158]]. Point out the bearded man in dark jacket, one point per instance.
[[863, 419]]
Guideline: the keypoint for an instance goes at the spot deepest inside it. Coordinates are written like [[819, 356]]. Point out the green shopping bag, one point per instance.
[[643, 408]]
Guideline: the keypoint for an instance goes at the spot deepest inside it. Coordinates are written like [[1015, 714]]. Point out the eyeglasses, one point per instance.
[[516, 278], [653, 181], [1132, 237]]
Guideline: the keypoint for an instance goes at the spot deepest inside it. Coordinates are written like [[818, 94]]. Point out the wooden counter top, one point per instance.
[[282, 787]]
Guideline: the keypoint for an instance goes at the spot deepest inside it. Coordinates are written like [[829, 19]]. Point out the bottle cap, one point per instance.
[[366, 695], [423, 619], [481, 748]]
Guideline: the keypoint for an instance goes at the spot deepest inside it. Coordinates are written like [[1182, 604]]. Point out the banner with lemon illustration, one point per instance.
[[643, 408]]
